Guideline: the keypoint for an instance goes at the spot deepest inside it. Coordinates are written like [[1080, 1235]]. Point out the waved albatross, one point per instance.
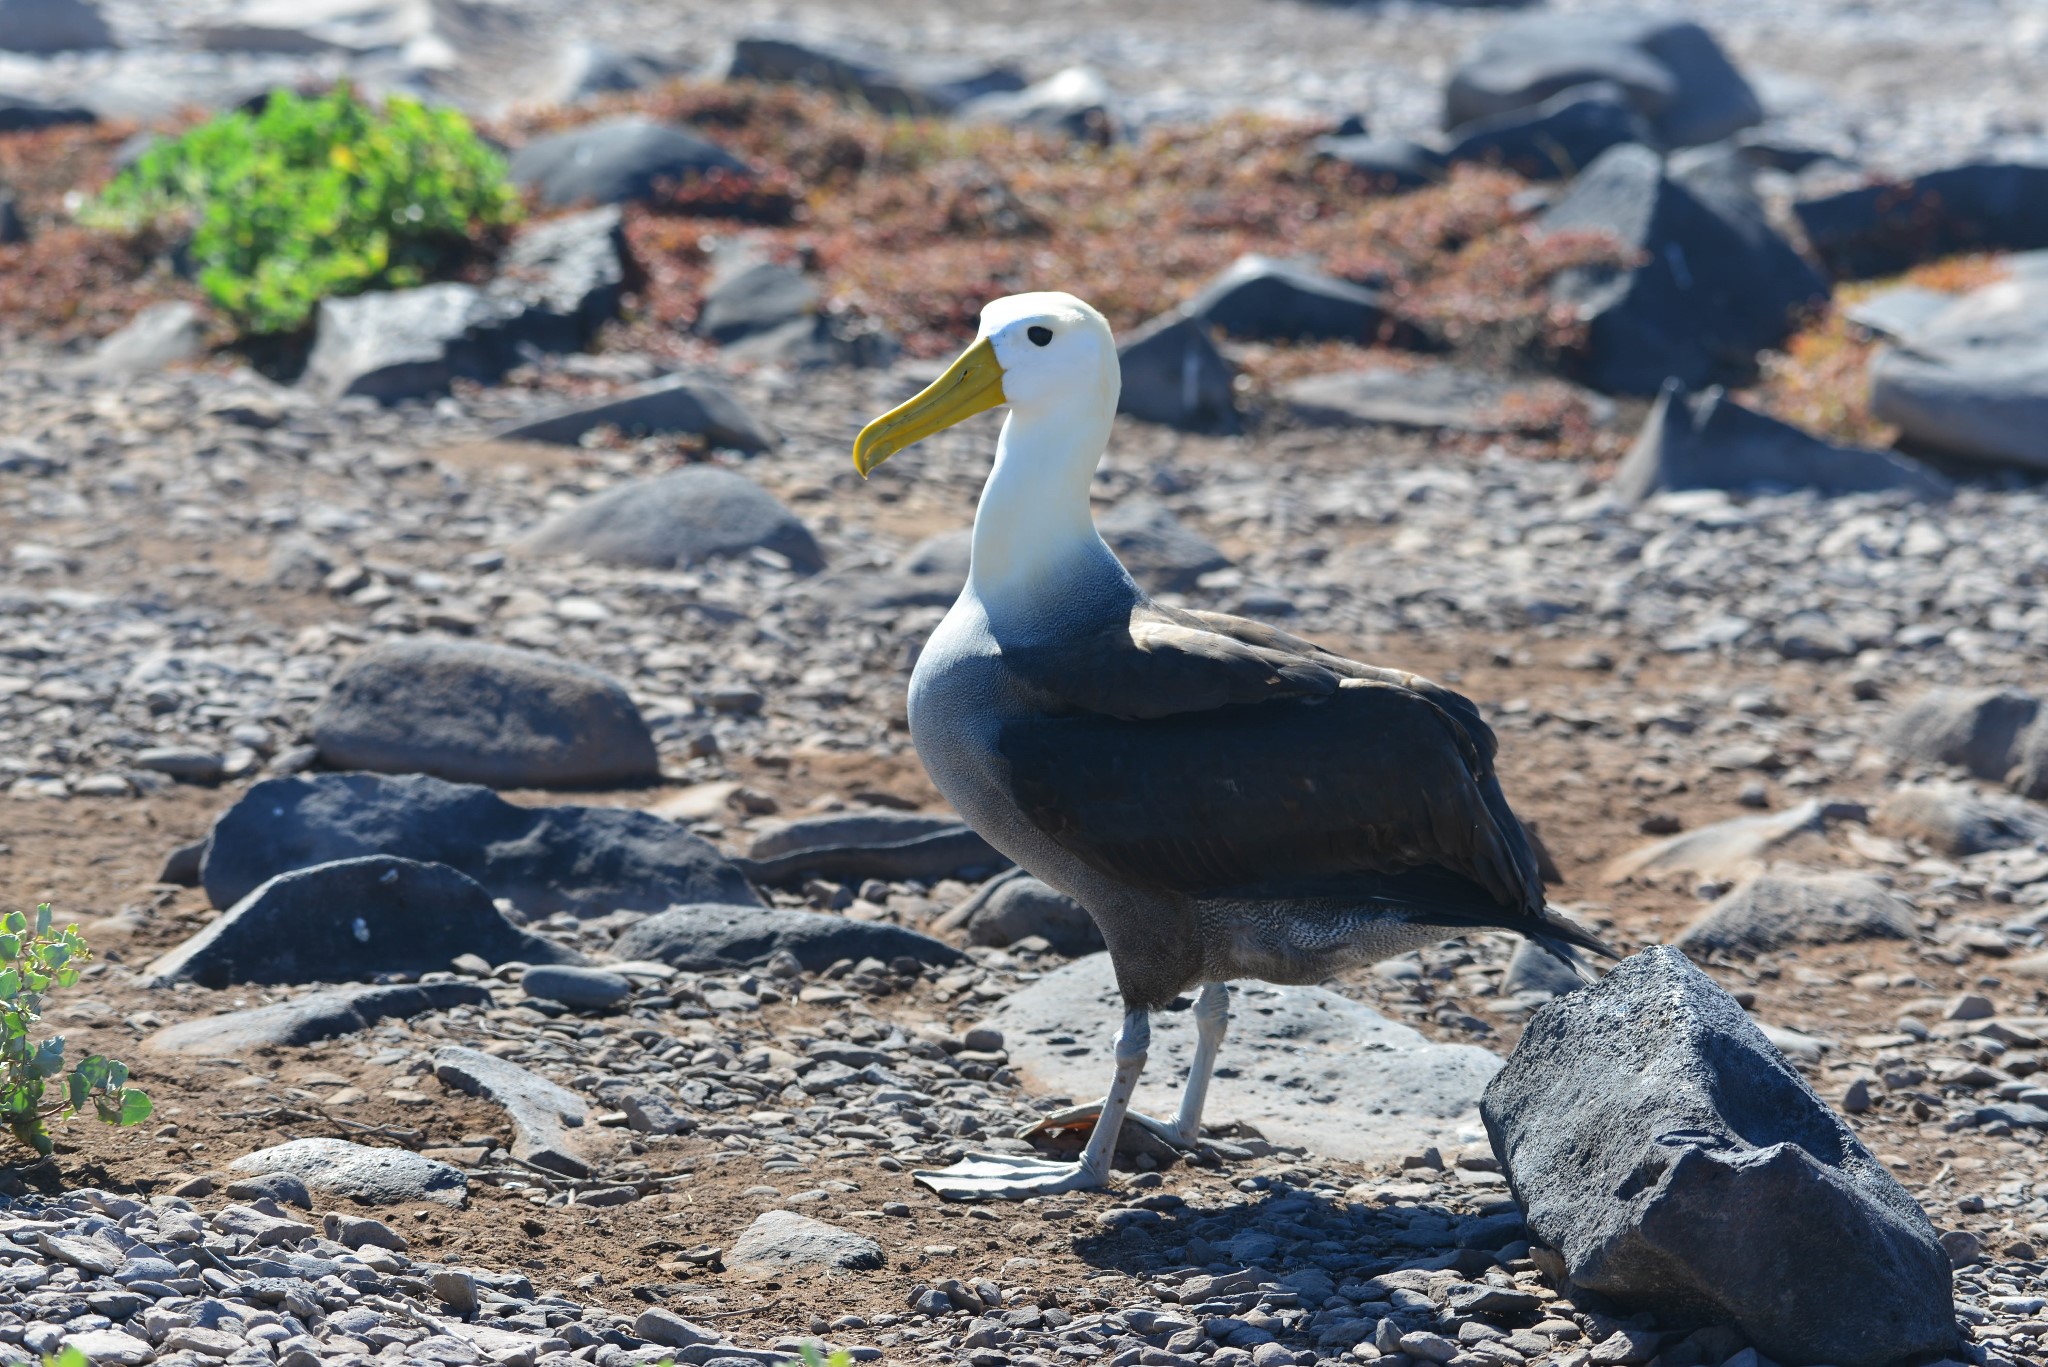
[[1226, 800]]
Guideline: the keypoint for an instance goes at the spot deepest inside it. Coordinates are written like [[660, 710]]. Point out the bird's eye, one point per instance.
[[1040, 336]]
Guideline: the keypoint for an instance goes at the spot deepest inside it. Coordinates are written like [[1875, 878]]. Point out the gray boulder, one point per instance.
[[1017, 906], [617, 161], [589, 989], [311, 1017], [885, 85], [1681, 1166], [1973, 380], [752, 297], [567, 274], [1556, 139], [675, 405], [1534, 971], [1882, 227], [2000, 734], [1707, 290], [159, 336], [587, 860], [1162, 553], [1383, 163], [350, 921], [1301, 1065], [1075, 101], [782, 1241], [1173, 374], [12, 229], [1774, 910], [47, 26], [550, 1126], [1266, 299], [1672, 72], [1709, 441], [477, 713], [692, 515], [391, 345], [1958, 821], [887, 845], [707, 938], [355, 1172]]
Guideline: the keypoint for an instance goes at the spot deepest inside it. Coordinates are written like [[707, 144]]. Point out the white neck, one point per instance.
[[1033, 531]]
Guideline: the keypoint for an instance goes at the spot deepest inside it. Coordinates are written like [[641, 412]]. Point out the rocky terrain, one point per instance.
[[474, 743]]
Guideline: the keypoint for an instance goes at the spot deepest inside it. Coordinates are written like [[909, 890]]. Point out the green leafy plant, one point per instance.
[[839, 1357], [34, 959], [315, 197], [67, 1356]]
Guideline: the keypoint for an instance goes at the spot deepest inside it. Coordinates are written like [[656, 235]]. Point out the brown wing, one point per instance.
[[1209, 754]]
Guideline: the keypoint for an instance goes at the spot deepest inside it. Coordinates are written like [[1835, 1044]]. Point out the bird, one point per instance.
[[1226, 800]]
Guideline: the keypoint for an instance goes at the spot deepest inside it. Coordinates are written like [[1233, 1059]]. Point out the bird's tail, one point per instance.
[[1564, 938]]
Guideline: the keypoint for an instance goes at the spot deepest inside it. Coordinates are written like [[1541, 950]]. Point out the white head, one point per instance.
[[1049, 356]]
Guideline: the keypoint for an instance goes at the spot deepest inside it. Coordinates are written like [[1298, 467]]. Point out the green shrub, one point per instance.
[[316, 197], [33, 959]]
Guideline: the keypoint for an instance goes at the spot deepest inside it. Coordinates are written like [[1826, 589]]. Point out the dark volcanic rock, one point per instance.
[[1887, 226], [12, 229], [886, 86], [1655, 1139], [1709, 441], [617, 161], [1674, 73], [568, 273], [20, 114], [1533, 970], [1773, 910], [1384, 163], [1973, 380], [542, 859], [708, 937], [403, 344], [1556, 139], [884, 845], [1709, 290], [1016, 906], [349, 921], [695, 514], [1159, 550], [1173, 374], [480, 713], [592, 989], [755, 297], [1266, 299], [661, 407], [1995, 733], [312, 1017]]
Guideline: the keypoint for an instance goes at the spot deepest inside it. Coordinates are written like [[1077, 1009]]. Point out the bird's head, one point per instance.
[[1034, 352]]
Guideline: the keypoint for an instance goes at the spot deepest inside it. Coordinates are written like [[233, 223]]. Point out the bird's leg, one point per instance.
[[1212, 1020], [1002, 1176]]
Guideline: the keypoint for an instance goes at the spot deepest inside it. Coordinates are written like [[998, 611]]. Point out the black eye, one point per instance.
[[1040, 336]]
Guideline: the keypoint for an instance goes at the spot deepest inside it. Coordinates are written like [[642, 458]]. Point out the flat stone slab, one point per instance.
[[550, 1123], [1301, 1065], [783, 1241], [310, 1018], [1724, 849], [707, 937], [377, 1177]]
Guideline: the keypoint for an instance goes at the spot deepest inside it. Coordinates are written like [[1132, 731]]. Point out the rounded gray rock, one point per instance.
[[373, 1176], [483, 714], [783, 1241], [590, 989], [696, 514]]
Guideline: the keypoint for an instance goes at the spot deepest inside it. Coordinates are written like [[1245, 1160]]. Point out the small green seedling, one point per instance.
[[34, 959], [839, 1357]]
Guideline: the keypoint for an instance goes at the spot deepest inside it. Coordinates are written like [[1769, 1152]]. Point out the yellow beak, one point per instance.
[[972, 384]]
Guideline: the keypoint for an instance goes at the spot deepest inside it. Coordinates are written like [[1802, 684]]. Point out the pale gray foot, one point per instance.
[[1013, 1177], [1212, 1020]]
